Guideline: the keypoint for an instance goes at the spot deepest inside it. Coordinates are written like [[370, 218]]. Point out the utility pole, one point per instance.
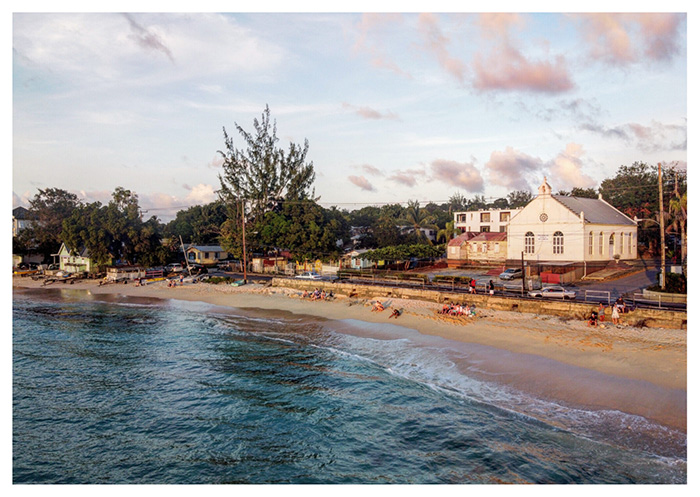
[[662, 278], [245, 260], [522, 270]]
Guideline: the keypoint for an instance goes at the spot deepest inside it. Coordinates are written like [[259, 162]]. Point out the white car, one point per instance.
[[555, 292], [174, 268], [310, 275], [511, 273]]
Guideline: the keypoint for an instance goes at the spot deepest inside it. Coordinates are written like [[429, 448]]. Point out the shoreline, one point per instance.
[[637, 371]]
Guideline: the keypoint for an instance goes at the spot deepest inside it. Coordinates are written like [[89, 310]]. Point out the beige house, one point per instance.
[[457, 249], [560, 228], [488, 248], [205, 254]]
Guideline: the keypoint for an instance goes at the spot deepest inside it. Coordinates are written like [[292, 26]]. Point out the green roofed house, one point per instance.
[[74, 261]]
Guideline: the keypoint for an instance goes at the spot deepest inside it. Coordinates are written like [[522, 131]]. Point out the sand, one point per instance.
[[637, 370]]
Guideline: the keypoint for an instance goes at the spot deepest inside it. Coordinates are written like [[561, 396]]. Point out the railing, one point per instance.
[[605, 295]]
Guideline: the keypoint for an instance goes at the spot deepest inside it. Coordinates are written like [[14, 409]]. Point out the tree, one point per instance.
[[115, 232], [418, 218], [448, 233], [457, 202], [477, 203], [263, 174], [199, 224], [519, 198], [49, 208]]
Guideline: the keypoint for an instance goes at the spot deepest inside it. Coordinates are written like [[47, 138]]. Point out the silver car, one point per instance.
[[554, 292], [511, 273], [310, 275]]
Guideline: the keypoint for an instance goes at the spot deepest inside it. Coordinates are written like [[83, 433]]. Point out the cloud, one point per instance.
[[652, 138], [369, 169], [504, 67], [625, 38], [200, 194], [437, 42], [512, 169], [369, 113], [567, 169], [362, 182], [146, 38], [409, 177], [461, 174], [370, 27]]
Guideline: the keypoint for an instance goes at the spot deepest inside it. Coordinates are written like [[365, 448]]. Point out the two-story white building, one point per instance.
[[484, 221], [560, 228]]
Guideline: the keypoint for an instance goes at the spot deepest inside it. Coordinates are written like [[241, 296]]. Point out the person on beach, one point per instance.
[[601, 312], [395, 314], [491, 288], [615, 315], [472, 311], [377, 307], [593, 319], [472, 286], [182, 279]]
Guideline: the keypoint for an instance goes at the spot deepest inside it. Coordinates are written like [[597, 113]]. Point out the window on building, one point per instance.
[[461, 218], [629, 243], [505, 217], [590, 243], [622, 239], [558, 242], [496, 247], [485, 229], [600, 243], [485, 217], [502, 229], [529, 242]]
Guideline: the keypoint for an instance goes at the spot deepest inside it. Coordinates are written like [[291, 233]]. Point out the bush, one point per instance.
[[675, 283]]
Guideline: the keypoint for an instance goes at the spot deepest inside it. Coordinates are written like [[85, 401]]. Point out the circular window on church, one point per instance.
[[543, 217]]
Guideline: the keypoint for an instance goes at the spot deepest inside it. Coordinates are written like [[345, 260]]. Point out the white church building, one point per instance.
[[559, 229]]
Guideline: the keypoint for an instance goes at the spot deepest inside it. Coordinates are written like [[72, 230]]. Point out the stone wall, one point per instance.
[[566, 309]]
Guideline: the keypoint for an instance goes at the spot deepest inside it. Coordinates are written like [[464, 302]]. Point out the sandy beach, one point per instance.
[[636, 370]]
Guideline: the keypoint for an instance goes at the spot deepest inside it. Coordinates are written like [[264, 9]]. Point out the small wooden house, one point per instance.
[[205, 254], [74, 261]]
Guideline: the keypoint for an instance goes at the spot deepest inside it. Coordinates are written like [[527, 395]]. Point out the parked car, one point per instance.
[[175, 267], [511, 273], [310, 275], [555, 292]]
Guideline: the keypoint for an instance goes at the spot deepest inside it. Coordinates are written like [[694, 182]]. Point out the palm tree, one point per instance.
[[418, 218], [678, 210], [449, 232]]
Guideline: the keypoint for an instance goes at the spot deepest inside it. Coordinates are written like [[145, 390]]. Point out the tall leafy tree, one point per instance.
[[519, 198], [49, 208], [262, 173], [418, 218]]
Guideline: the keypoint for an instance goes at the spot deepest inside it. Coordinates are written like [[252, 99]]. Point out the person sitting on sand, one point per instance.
[[615, 315], [593, 319], [305, 294], [601, 312], [472, 311], [323, 295], [377, 307], [395, 314]]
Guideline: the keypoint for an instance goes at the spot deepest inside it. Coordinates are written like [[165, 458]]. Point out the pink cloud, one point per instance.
[[369, 113], [460, 174], [502, 66], [627, 38], [362, 182], [508, 69], [409, 177], [511, 168], [437, 43], [567, 169]]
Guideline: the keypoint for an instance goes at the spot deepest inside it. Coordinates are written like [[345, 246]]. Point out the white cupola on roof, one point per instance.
[[544, 188]]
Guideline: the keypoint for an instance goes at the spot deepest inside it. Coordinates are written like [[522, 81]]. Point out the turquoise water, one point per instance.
[[126, 391]]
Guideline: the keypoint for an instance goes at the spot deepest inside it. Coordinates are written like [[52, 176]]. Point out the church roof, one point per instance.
[[595, 211]]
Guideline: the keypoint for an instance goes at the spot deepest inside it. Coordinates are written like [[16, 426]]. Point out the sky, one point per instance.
[[395, 107]]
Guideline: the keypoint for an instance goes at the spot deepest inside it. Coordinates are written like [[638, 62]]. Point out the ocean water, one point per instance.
[[139, 391]]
